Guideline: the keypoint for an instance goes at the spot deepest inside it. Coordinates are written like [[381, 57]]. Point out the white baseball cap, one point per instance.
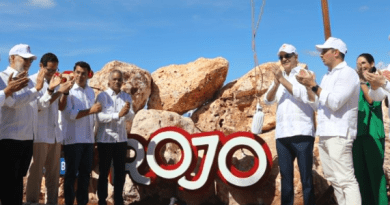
[[334, 43], [22, 50], [287, 48]]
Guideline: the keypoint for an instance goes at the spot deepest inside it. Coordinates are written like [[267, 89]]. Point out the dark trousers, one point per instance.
[[117, 153], [368, 157], [78, 163], [288, 149], [15, 158]]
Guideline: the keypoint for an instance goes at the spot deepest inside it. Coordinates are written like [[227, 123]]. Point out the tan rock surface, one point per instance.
[[180, 88], [234, 106], [146, 122]]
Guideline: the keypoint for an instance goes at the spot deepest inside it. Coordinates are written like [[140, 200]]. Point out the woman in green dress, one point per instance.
[[368, 148]]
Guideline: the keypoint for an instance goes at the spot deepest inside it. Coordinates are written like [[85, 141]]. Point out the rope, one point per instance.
[[255, 27]]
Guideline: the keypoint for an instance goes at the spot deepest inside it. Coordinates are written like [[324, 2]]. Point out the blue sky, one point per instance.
[[152, 34]]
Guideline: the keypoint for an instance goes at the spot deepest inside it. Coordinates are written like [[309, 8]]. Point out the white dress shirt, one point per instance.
[[78, 130], [293, 115], [19, 114], [48, 129], [111, 128], [337, 104]]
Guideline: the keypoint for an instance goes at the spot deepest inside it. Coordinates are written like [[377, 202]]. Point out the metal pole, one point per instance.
[[325, 17]]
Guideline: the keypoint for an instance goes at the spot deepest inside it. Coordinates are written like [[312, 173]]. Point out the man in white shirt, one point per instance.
[[47, 142], [13, 85], [336, 101], [112, 137], [294, 126], [78, 121], [17, 128]]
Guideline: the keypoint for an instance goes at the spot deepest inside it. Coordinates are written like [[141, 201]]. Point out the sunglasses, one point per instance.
[[325, 50], [51, 71], [27, 59], [287, 56]]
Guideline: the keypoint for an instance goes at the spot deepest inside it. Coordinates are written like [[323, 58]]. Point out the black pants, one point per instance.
[[288, 149], [117, 153], [78, 163], [15, 158]]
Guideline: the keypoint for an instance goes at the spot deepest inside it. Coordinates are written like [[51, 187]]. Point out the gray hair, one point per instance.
[[115, 71]]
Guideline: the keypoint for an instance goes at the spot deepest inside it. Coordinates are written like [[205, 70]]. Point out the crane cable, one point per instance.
[[258, 117], [255, 27]]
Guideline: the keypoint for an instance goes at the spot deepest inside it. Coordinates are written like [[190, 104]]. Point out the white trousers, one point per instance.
[[337, 164], [48, 156]]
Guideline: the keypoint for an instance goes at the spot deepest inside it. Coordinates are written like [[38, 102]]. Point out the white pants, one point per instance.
[[337, 164], [48, 156]]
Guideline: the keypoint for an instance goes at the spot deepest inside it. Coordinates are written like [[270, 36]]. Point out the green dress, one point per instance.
[[368, 153]]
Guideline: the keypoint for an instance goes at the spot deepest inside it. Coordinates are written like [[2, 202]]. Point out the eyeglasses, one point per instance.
[[52, 71], [287, 56], [27, 59], [325, 50]]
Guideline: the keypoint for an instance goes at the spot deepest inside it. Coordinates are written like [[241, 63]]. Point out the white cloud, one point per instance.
[[380, 65], [312, 53], [46, 4], [363, 8]]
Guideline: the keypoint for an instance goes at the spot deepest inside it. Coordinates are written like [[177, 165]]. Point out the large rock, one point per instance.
[[137, 82], [234, 105], [180, 88], [146, 122]]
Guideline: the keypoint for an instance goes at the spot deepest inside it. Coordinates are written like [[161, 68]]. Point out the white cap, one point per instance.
[[334, 43], [287, 48], [22, 50]]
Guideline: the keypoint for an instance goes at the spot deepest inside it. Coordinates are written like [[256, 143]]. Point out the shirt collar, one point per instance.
[[293, 71], [339, 66], [112, 93], [76, 86], [10, 70]]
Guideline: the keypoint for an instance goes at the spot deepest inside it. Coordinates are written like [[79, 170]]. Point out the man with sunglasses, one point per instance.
[[336, 101], [47, 142], [294, 126], [17, 128]]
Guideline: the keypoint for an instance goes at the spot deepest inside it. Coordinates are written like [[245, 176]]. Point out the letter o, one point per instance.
[[186, 154], [231, 178]]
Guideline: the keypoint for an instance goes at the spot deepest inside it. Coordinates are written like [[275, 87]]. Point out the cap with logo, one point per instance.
[[22, 50], [287, 48], [334, 43]]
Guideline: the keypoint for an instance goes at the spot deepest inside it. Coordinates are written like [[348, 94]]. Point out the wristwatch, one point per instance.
[[315, 88], [50, 91]]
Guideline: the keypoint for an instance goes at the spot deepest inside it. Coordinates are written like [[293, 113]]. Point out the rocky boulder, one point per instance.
[[234, 105], [180, 88]]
